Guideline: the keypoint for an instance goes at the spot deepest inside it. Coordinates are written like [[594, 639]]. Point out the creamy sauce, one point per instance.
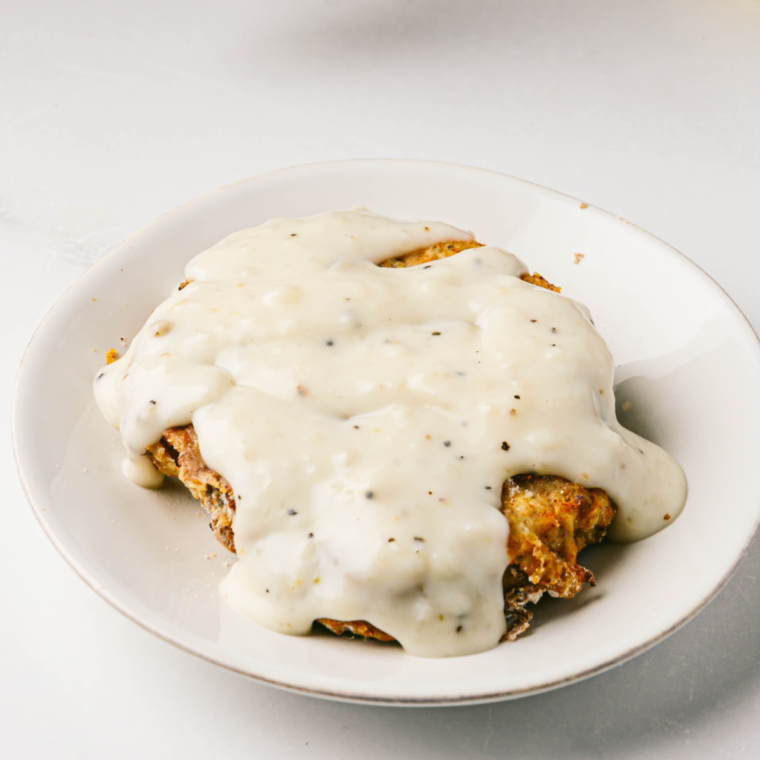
[[140, 470], [367, 417]]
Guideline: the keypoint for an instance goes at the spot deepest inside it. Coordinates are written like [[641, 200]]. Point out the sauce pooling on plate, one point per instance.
[[367, 418]]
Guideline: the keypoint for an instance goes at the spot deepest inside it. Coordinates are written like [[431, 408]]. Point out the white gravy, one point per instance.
[[367, 417]]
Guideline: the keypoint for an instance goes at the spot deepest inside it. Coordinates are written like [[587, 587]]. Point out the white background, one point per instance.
[[112, 113]]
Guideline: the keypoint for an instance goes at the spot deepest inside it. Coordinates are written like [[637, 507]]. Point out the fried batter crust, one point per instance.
[[550, 519], [352, 628], [443, 251], [431, 253], [177, 455], [541, 282]]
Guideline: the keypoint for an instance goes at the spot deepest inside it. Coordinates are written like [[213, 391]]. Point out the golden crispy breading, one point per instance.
[[550, 519], [177, 455], [354, 628], [431, 253], [541, 282], [449, 248], [111, 355]]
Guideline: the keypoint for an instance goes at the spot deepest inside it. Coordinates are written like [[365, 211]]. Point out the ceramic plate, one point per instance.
[[688, 370]]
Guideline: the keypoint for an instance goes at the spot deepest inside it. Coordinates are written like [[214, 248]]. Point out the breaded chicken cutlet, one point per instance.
[[550, 519]]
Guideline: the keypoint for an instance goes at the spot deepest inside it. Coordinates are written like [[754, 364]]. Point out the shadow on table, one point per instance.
[[395, 34]]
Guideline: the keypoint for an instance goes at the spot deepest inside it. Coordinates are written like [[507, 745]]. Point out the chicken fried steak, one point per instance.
[[550, 519]]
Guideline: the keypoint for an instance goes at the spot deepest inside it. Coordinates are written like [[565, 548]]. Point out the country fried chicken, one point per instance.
[[550, 519]]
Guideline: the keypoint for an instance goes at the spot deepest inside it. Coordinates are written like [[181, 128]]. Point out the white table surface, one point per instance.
[[112, 114]]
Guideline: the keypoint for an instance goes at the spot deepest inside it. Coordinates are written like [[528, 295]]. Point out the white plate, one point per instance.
[[688, 362]]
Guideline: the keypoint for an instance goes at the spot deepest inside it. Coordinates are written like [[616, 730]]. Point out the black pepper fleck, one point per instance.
[[311, 535], [447, 443], [329, 343], [427, 266], [554, 329], [488, 488], [292, 512], [356, 427], [436, 333], [293, 234], [370, 495], [153, 402], [418, 538], [517, 397], [534, 320], [459, 629], [391, 540], [101, 375], [505, 446]]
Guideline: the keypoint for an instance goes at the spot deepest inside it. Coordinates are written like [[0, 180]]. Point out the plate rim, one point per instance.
[[349, 695]]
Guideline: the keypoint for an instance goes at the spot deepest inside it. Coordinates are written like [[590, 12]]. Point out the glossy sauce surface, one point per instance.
[[367, 417]]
